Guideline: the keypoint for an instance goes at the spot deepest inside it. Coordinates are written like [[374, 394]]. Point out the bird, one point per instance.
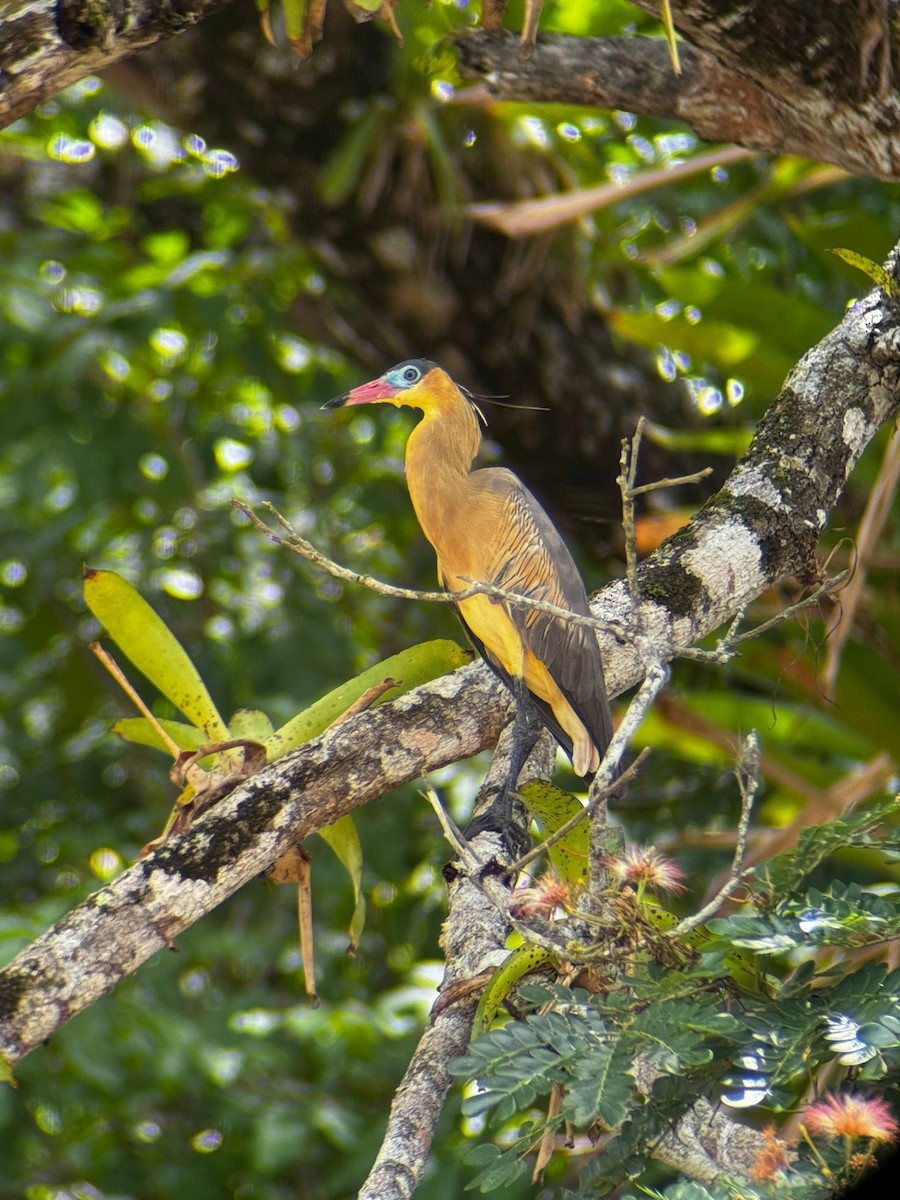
[[486, 527]]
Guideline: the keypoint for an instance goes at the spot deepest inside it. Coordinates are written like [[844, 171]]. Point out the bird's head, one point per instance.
[[406, 384]]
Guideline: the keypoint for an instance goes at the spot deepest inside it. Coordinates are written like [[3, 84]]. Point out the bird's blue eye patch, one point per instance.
[[408, 374]]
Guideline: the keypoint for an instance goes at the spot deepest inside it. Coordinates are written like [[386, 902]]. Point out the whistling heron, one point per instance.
[[486, 527]]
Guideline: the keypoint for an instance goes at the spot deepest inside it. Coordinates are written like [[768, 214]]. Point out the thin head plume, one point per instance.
[[498, 402]]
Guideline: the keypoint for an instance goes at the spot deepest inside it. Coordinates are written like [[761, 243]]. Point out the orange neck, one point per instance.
[[439, 454]]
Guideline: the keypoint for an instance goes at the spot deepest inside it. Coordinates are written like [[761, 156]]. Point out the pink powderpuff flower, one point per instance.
[[851, 1116], [645, 867], [546, 898]]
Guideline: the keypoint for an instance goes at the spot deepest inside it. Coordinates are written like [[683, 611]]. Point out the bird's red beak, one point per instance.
[[366, 393]]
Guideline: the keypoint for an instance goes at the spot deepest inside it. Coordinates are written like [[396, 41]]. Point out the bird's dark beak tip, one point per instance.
[[337, 401]]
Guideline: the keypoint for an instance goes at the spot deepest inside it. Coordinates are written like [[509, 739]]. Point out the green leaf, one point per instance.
[[765, 935], [553, 807], [521, 962], [881, 277], [786, 323], [522, 1060], [410, 668], [501, 1169], [343, 839], [741, 967], [785, 873], [250, 723], [601, 1086], [168, 247], [140, 731], [142, 635], [705, 441], [341, 175], [728, 346]]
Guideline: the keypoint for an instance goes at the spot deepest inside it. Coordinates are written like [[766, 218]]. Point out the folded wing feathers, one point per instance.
[[534, 561]]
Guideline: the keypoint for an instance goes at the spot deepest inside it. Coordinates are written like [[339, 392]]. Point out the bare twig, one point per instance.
[[628, 460], [722, 653], [724, 650], [628, 464], [605, 781], [564, 830], [747, 772], [826, 805], [299, 545], [671, 481], [122, 680], [471, 862]]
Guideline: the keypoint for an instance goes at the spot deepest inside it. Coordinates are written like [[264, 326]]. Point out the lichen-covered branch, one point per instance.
[[115, 930], [473, 939], [47, 44]]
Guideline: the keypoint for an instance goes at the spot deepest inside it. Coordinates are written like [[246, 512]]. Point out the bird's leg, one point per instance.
[[526, 729]]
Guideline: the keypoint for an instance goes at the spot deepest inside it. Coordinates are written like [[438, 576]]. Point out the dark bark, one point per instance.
[[816, 80], [47, 44], [842, 49]]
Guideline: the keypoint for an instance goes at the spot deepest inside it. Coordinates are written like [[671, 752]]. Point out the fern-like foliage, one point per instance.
[[748, 1014]]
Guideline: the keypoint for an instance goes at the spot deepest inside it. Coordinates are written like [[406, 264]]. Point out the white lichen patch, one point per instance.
[[727, 560], [854, 429], [753, 482], [448, 687]]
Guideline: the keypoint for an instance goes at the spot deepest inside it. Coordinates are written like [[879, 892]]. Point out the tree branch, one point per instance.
[[742, 80], [47, 44], [116, 929], [473, 938], [766, 520]]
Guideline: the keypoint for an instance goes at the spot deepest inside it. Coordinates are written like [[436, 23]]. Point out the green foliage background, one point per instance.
[[151, 371]]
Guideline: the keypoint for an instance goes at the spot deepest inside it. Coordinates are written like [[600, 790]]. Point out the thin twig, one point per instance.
[[122, 680], [628, 465], [299, 545], [604, 781], [722, 653], [564, 830], [472, 863], [671, 481], [747, 772], [724, 649], [628, 460], [877, 510]]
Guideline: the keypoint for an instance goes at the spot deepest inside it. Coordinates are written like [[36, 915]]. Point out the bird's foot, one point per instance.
[[499, 818]]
